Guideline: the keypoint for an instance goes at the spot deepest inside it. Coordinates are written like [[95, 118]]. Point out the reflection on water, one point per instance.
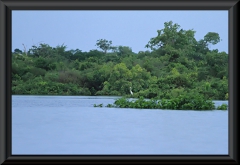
[[71, 125]]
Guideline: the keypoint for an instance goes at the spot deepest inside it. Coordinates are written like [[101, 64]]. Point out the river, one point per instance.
[[71, 125]]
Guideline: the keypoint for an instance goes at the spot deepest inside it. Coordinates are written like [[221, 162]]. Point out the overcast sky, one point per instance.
[[81, 29]]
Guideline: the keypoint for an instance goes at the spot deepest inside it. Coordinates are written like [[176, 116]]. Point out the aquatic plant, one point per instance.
[[110, 105], [99, 105], [222, 107], [182, 102]]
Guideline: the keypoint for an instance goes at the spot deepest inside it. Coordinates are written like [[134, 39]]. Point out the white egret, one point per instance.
[[131, 91]]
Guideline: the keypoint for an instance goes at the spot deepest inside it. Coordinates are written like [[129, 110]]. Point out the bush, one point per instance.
[[71, 76], [51, 76], [20, 68], [27, 76], [37, 71], [73, 89]]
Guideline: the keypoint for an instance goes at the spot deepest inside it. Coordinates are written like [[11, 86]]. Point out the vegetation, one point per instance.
[[222, 107], [182, 102], [177, 65]]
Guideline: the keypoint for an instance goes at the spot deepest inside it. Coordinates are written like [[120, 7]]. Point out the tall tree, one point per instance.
[[212, 38], [173, 37], [103, 44]]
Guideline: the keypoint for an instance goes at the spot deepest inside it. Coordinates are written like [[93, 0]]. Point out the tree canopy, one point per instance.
[[176, 64]]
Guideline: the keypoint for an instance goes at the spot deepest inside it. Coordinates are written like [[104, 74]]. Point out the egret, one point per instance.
[[131, 91]]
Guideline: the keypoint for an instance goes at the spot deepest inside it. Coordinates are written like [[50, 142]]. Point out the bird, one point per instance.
[[131, 91]]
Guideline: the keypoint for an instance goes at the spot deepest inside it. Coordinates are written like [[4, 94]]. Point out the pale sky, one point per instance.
[[81, 29]]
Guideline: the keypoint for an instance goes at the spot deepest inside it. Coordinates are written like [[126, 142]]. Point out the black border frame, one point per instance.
[[6, 6]]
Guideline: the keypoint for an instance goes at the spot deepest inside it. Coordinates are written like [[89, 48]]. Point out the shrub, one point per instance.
[[37, 71], [51, 76], [71, 76]]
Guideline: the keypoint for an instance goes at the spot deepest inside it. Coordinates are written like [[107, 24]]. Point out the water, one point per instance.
[[71, 125]]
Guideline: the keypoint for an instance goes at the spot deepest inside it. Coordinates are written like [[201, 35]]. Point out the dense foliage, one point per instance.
[[177, 65]]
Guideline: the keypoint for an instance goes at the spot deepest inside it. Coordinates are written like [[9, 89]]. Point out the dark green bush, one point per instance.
[[37, 71]]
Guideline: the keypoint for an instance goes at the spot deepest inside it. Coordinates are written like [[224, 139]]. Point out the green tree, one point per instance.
[[43, 50], [124, 51], [17, 51], [212, 37], [44, 63], [202, 45], [119, 80], [104, 44], [173, 37]]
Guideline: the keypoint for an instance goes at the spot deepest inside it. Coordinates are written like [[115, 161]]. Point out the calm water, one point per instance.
[[71, 125]]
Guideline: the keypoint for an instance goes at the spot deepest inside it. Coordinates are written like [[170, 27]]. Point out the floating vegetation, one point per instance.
[[182, 102], [222, 107], [110, 105], [99, 105]]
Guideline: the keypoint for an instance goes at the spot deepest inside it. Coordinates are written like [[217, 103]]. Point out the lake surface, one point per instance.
[[71, 125]]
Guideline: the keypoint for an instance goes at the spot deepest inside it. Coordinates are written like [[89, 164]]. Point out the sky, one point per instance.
[[81, 29]]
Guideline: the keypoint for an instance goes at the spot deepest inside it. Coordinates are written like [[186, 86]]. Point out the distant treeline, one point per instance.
[[177, 64]]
